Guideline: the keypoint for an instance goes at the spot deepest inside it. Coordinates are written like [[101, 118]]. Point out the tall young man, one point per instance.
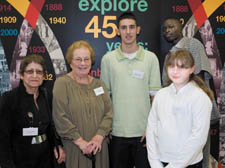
[[132, 75]]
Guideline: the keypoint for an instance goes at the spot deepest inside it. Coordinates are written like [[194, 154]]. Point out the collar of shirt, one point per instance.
[[139, 56], [179, 45], [130, 55], [183, 89]]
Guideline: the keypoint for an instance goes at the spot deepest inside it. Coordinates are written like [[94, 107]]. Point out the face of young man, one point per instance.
[[128, 31], [172, 30]]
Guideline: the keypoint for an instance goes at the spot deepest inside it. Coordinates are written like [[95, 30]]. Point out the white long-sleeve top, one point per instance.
[[178, 126]]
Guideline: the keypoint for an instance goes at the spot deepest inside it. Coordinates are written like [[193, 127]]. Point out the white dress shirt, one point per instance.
[[178, 126]]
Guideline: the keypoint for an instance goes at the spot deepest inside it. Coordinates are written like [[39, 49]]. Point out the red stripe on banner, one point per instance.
[[194, 4], [200, 16], [198, 11], [33, 12], [38, 4], [32, 15]]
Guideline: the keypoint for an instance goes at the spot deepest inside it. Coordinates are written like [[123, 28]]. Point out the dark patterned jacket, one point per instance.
[[14, 108]]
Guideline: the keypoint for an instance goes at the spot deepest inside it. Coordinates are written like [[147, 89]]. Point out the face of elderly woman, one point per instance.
[[81, 62], [33, 76]]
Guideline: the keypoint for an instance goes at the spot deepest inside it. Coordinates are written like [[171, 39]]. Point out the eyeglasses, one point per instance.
[[80, 60], [31, 71]]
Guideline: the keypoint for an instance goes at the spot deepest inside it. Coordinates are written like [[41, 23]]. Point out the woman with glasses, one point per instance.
[[27, 134], [82, 111]]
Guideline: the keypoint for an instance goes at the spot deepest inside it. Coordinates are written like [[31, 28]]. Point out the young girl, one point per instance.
[[179, 119]]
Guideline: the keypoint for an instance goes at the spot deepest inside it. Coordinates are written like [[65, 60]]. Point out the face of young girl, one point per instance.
[[179, 75]]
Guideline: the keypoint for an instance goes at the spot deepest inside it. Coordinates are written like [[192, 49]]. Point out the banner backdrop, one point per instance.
[[48, 27]]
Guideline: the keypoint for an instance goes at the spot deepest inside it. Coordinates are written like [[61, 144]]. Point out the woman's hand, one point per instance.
[[61, 157], [96, 143], [85, 147]]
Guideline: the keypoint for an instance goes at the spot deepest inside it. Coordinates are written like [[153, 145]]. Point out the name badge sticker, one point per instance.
[[99, 91], [30, 131], [137, 74]]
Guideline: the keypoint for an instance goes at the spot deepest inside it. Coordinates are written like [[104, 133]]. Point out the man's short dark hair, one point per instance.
[[126, 15], [175, 19]]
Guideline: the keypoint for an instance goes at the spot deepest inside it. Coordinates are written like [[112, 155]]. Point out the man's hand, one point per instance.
[[143, 140]]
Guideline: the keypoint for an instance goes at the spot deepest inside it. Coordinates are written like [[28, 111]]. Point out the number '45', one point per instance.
[[92, 27]]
